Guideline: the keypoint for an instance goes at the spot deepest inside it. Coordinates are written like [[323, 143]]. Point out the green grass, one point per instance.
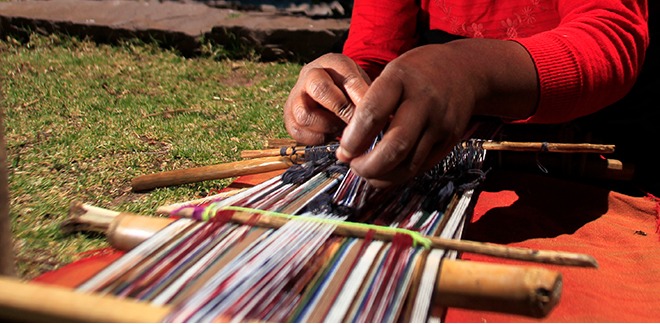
[[83, 119]]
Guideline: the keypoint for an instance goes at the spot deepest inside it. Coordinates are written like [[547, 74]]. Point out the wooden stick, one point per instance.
[[527, 291], [548, 147], [33, 302], [490, 249], [270, 160], [211, 172], [279, 142], [87, 218], [253, 154], [495, 250], [507, 296], [488, 145]]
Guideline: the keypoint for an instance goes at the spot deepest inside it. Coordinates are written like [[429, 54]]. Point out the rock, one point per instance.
[[180, 25]]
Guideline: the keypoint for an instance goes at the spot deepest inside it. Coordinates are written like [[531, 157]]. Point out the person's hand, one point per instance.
[[324, 98], [424, 100]]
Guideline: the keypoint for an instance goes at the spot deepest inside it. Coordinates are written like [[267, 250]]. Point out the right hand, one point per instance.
[[323, 100]]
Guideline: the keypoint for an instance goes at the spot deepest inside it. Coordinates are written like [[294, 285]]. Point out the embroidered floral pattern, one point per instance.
[[515, 25], [511, 26], [453, 21]]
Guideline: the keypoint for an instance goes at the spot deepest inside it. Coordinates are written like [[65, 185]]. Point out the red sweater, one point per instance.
[[587, 53]]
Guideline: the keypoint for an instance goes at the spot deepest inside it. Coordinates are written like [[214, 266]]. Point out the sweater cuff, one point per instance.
[[559, 76]]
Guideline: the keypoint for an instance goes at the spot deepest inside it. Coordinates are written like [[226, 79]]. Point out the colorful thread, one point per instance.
[[418, 239]]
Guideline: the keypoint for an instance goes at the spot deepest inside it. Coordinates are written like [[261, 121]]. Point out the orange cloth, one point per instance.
[[77, 272], [543, 213]]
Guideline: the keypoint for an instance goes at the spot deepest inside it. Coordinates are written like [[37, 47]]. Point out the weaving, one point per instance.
[[302, 272], [312, 244]]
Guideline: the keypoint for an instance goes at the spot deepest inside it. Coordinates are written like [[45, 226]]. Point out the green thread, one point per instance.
[[208, 214], [418, 239]]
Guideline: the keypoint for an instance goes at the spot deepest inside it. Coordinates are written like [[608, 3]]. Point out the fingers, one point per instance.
[[402, 153], [418, 130], [371, 115], [400, 139], [337, 84], [405, 171], [322, 89], [324, 98], [308, 123]]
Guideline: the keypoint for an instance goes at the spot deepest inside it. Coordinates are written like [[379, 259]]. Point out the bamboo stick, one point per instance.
[[527, 291], [211, 172], [490, 249], [495, 250], [34, 302], [288, 150], [271, 159], [505, 296], [548, 147], [279, 142], [487, 145]]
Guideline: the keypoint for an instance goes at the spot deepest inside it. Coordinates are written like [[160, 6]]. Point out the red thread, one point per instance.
[[222, 216]]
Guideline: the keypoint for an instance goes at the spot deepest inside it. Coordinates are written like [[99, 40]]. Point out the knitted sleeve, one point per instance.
[[380, 31], [590, 60]]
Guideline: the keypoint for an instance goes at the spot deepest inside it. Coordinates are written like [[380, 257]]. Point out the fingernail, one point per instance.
[[343, 155]]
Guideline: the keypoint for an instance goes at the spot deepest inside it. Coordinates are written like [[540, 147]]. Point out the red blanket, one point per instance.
[[541, 212]]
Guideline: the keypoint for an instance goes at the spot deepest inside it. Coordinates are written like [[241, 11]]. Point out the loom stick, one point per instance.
[[527, 291], [491, 291], [494, 250], [288, 150], [32, 302], [473, 285], [487, 145], [211, 172], [279, 142], [351, 230], [548, 147]]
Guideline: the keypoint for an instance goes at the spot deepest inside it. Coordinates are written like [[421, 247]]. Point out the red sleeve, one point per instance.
[[380, 31], [590, 60]]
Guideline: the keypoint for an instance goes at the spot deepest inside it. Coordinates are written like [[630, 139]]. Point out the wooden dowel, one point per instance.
[[495, 250], [279, 142], [487, 145], [270, 160], [20, 301], [548, 147], [527, 291], [253, 154], [288, 150], [87, 218], [490, 249], [211, 172], [534, 292]]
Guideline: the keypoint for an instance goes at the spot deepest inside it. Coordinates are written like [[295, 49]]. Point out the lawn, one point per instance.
[[83, 119]]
